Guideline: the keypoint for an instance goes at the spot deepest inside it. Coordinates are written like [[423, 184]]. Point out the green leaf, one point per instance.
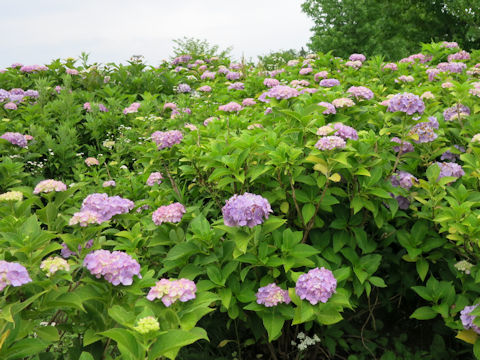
[[424, 313], [181, 250], [215, 275], [170, 343], [303, 251], [376, 281], [476, 349], [307, 212], [422, 268], [327, 314], [121, 316], [433, 172], [273, 323], [423, 292], [127, 343], [24, 348], [86, 356], [48, 333]]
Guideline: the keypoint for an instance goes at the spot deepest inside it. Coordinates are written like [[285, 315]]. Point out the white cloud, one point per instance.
[[112, 30]]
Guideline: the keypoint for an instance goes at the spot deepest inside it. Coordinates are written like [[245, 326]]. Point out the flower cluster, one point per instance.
[[269, 82], [147, 324], [232, 75], [230, 107], [345, 132], [329, 108], [12, 273], [405, 146], [109, 183], [169, 291], [329, 83], [272, 295], [464, 266], [343, 102], [318, 285], [467, 319], [98, 208], [450, 169], [246, 210], [461, 55], [280, 92], [361, 92], [116, 267], [403, 179], [357, 57], [172, 213], [248, 102], [91, 161], [236, 86], [133, 108], [407, 103], [453, 67], [11, 196], [53, 264], [320, 75], [456, 112], [330, 143], [46, 186], [183, 88], [424, 132], [205, 88], [166, 139], [154, 178], [15, 138]]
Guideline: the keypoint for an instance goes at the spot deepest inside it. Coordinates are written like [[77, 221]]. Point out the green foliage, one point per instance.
[[198, 48]]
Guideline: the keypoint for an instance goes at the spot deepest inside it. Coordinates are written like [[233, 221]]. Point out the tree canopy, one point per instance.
[[393, 28]]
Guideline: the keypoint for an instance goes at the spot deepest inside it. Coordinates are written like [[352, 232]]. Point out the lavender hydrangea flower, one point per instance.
[[357, 57], [232, 75], [205, 88], [450, 169], [461, 55], [230, 107], [236, 86], [407, 103], [133, 108], [361, 92], [172, 213], [15, 138], [85, 218], [280, 92], [101, 207], [246, 210], [208, 75], [272, 295], [269, 82], [354, 64], [169, 291], [330, 143], [403, 202], [12, 273], [167, 139], [320, 75], [46, 186], [154, 178], [330, 109], [390, 66], [329, 82], [116, 267], [91, 161], [66, 252], [183, 88], [318, 285], [453, 67], [345, 132], [405, 79], [405, 148], [109, 183], [467, 319], [248, 102], [424, 131], [455, 112], [448, 155], [305, 71], [403, 179]]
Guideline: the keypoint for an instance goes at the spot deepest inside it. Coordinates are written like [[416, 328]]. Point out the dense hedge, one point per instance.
[[208, 209]]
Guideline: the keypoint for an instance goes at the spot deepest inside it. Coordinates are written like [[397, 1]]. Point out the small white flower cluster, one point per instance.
[[305, 341]]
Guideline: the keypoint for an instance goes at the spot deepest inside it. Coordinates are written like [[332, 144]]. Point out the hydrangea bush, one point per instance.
[[326, 208]]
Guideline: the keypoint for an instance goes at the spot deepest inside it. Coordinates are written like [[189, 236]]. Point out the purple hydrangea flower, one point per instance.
[[208, 75], [318, 285], [109, 183], [272, 295], [172, 213], [183, 88], [450, 169], [390, 66], [282, 92], [330, 143], [330, 109], [329, 82], [10, 106], [66, 252], [248, 102], [320, 75], [133, 108], [448, 155], [453, 67], [407, 103], [205, 88], [305, 71], [103, 208], [85, 218], [432, 73], [269, 82], [424, 131], [230, 107], [15, 138], [461, 55], [361, 92], [406, 146], [154, 178], [12, 273], [116, 267], [236, 86], [357, 57], [403, 202], [246, 210], [345, 132], [467, 319], [455, 112], [169, 291], [167, 139], [232, 75], [403, 179]]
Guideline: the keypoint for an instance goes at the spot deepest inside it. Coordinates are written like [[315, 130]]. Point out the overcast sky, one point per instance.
[[38, 31]]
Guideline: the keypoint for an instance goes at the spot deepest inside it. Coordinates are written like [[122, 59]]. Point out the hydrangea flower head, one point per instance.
[[343, 102], [12, 273], [450, 169], [424, 131], [269, 82], [329, 82], [467, 319], [357, 57], [15, 138], [280, 92], [345, 132], [116, 267], [11, 196], [320, 75], [166, 139], [330, 109], [147, 324], [248, 102], [361, 92], [169, 291], [246, 210], [46, 186], [104, 207], [230, 107], [272, 295], [53, 264], [85, 218], [403, 179], [318, 285], [405, 148], [183, 88], [109, 183], [172, 213], [330, 143], [407, 103], [154, 178], [91, 161], [456, 111]]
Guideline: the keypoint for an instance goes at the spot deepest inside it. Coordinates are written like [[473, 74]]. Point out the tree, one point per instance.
[[393, 28], [198, 48]]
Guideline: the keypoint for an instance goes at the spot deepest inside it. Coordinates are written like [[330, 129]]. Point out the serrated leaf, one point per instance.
[[424, 313]]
